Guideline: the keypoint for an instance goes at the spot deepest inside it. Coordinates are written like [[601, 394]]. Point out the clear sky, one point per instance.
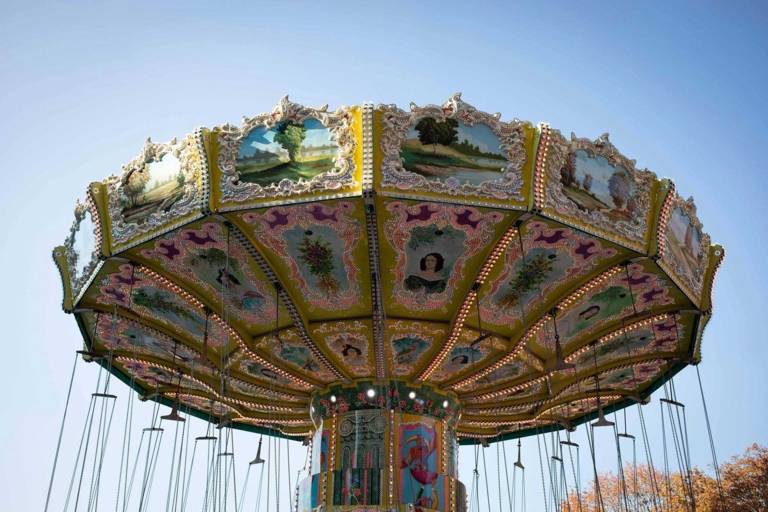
[[680, 87]]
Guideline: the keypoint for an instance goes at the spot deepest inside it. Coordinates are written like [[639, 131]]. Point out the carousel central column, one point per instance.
[[385, 446]]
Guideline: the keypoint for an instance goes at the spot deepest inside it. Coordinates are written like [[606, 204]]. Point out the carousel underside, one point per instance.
[[388, 283]]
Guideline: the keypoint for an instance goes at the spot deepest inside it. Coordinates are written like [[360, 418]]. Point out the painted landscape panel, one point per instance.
[[684, 242], [594, 184], [450, 149], [154, 188], [288, 150]]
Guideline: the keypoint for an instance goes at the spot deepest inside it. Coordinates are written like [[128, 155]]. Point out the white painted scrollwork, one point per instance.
[[82, 247], [338, 123], [185, 160], [686, 259], [397, 122], [559, 151]]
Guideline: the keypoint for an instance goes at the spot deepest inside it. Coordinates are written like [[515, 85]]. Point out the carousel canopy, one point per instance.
[[464, 265]]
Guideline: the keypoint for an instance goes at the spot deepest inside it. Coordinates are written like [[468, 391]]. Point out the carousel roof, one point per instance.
[[244, 269]]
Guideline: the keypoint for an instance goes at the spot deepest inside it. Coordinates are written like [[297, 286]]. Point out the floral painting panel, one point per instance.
[[318, 245]]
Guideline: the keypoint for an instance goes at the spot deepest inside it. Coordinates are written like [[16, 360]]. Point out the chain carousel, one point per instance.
[[385, 285]]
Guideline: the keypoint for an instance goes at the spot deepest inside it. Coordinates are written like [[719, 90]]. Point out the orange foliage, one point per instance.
[[744, 489]]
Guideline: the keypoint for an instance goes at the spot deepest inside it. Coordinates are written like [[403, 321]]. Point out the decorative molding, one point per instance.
[[81, 273], [367, 146], [192, 165], [371, 226], [540, 166], [397, 122], [692, 283], [553, 155]]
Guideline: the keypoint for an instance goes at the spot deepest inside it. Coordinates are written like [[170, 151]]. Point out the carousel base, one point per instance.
[[362, 490], [380, 458]]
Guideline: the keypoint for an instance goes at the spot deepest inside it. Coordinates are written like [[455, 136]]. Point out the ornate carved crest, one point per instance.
[[340, 177], [625, 207], [511, 135], [161, 186]]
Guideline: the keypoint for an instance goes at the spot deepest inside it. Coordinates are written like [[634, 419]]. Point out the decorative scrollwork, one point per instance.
[[634, 228], [686, 259], [511, 136], [181, 201], [338, 123], [82, 266]]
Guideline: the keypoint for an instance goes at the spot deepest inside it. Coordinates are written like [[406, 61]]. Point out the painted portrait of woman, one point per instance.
[[430, 276]]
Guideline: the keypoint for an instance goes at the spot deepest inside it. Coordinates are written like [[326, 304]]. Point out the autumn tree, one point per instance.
[[133, 184], [744, 487], [619, 188], [568, 171], [745, 480], [586, 183], [290, 135]]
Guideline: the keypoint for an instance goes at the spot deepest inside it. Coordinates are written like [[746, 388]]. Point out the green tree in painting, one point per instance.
[[434, 132], [448, 133], [290, 135], [318, 257]]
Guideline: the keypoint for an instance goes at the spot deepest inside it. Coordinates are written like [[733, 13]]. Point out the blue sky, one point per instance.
[[679, 85]]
